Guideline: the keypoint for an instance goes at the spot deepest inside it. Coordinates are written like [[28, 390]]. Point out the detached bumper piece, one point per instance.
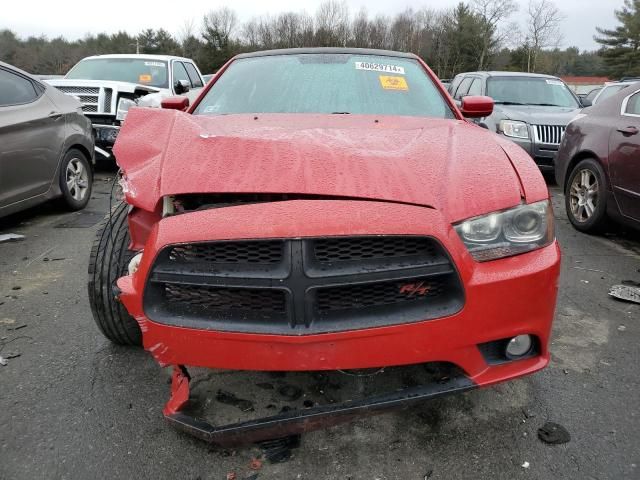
[[295, 422]]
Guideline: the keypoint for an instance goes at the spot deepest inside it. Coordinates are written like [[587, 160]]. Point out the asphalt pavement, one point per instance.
[[72, 405]]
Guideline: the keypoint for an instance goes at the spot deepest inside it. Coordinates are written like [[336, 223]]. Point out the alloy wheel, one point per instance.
[[77, 179], [583, 195]]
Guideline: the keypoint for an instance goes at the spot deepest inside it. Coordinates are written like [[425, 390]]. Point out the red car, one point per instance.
[[325, 209], [597, 165]]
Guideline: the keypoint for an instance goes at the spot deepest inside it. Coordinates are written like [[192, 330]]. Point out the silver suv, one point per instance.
[[530, 109]]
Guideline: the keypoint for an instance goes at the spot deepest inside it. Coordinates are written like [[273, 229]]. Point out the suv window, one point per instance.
[[16, 90], [476, 87], [454, 84], [463, 88], [180, 73], [633, 105], [196, 81]]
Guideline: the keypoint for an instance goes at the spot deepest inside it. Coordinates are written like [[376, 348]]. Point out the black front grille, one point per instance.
[[301, 286], [216, 299], [377, 294], [228, 252], [338, 250]]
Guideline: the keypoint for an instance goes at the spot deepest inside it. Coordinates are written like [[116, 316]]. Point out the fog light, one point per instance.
[[135, 263], [518, 346]]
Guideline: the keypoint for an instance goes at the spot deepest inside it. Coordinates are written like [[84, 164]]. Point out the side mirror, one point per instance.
[[181, 86], [175, 103], [586, 102], [476, 106]]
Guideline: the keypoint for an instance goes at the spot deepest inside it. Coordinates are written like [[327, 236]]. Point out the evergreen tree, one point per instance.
[[621, 46]]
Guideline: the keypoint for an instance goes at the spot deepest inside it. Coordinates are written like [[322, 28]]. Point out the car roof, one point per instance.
[[327, 50], [17, 70], [497, 73], [22, 72], [626, 82], [138, 55]]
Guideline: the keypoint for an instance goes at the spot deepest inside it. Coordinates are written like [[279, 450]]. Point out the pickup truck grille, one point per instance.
[[93, 99], [549, 134], [302, 286]]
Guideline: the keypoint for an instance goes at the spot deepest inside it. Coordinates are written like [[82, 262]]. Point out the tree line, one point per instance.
[[474, 35]]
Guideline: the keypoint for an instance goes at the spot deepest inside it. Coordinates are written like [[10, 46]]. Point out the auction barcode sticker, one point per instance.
[[379, 67]]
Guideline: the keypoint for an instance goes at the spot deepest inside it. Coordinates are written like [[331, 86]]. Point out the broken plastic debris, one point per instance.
[[627, 293], [553, 434], [11, 237], [525, 465]]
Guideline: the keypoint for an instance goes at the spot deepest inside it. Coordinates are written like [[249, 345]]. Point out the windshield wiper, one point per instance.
[[546, 105], [340, 113], [509, 103]]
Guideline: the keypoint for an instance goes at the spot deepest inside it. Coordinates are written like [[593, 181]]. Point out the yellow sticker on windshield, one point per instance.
[[144, 78], [393, 83]]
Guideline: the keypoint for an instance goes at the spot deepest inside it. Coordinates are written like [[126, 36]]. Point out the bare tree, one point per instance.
[[543, 22], [218, 25], [492, 13], [332, 24]]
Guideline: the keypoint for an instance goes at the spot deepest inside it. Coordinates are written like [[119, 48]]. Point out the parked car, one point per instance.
[[46, 145], [323, 209], [597, 166], [587, 99], [608, 90], [207, 77], [531, 110], [108, 85]]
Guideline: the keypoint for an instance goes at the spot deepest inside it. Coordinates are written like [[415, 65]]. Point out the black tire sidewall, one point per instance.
[[597, 220], [109, 261], [69, 201]]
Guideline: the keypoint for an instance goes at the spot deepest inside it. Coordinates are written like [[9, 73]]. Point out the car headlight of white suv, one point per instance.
[[123, 108]]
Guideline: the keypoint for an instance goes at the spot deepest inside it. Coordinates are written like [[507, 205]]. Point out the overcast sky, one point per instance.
[[74, 18]]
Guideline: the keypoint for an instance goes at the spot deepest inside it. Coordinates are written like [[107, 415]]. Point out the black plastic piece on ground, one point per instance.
[[553, 434], [295, 422], [279, 449]]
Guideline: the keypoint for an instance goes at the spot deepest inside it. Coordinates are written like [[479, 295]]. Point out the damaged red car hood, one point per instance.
[[448, 165]]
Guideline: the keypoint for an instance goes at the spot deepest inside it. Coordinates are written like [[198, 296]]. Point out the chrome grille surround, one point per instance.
[[548, 134]]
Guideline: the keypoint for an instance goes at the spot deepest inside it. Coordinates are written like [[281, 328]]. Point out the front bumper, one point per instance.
[[503, 298]]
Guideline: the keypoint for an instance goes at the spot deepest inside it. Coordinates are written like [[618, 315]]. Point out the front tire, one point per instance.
[[586, 196], [109, 260], [76, 180]]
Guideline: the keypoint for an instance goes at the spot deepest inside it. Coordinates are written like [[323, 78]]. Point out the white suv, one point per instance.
[[108, 85]]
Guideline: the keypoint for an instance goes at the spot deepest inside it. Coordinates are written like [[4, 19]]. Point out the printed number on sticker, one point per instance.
[[379, 67]]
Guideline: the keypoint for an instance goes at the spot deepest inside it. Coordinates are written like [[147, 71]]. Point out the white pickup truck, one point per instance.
[[108, 85]]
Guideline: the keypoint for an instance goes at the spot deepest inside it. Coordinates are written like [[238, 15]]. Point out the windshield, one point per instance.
[[325, 83], [530, 91], [134, 70], [611, 90]]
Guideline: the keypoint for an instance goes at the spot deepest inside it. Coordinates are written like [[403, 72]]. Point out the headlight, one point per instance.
[[507, 233], [514, 129], [123, 108]]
